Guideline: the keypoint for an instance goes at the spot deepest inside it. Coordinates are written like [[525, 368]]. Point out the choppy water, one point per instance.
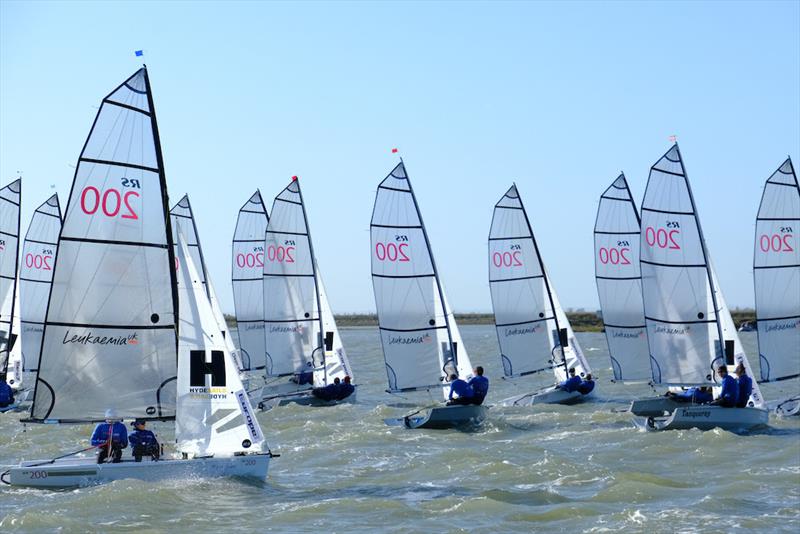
[[570, 468]]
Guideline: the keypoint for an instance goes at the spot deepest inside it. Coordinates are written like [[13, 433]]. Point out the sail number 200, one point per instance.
[[777, 242], [393, 251], [663, 238], [111, 202]]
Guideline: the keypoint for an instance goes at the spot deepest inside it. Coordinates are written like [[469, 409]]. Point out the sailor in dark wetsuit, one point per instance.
[[729, 395], [479, 385], [693, 395], [570, 384], [744, 384], [329, 392], [143, 442], [345, 389], [460, 388], [6, 393], [587, 385]]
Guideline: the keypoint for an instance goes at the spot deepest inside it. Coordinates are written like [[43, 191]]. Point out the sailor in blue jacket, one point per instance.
[[744, 385], [143, 441], [730, 391], [587, 385], [462, 389], [110, 438], [693, 395], [479, 385], [6, 393], [329, 392], [345, 389], [572, 383]]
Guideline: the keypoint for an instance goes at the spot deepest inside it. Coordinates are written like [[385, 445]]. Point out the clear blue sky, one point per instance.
[[557, 96]]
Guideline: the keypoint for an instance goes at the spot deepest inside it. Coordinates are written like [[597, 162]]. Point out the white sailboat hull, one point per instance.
[[704, 417], [442, 417], [302, 397], [78, 472], [549, 395]]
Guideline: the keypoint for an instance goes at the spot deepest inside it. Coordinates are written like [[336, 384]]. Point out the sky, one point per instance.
[[557, 97]]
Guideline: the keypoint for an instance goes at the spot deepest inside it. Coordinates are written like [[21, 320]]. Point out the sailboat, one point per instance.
[[10, 354], [776, 272], [689, 328], [619, 282], [110, 339], [301, 337], [248, 282], [532, 329], [183, 221], [422, 347]]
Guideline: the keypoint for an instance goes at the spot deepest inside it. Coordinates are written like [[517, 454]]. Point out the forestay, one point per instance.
[[110, 329], [36, 274], [248, 285], [528, 318], [183, 221], [10, 198], [678, 284], [292, 321], [214, 415], [421, 343], [619, 282], [776, 270]]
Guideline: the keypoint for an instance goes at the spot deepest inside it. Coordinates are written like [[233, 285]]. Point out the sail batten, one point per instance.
[[420, 338], [112, 308], [776, 274], [248, 281]]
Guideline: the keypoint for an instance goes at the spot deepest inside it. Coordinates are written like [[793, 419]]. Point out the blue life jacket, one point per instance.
[[119, 434], [345, 390], [142, 437], [479, 385], [6, 394], [745, 386], [571, 384], [702, 397], [460, 388], [730, 391], [586, 387]]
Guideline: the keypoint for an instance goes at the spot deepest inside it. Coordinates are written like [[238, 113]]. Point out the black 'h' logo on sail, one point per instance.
[[199, 368]]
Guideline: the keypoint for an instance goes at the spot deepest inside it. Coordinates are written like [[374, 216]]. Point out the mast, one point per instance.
[[544, 276], [435, 270], [321, 335], [705, 258], [165, 204]]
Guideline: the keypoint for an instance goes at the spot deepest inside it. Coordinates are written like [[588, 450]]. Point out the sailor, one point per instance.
[[572, 383], [329, 392], [345, 389], [110, 438], [694, 395], [143, 442], [304, 377], [587, 385], [479, 385], [729, 394], [461, 389], [6, 393], [744, 385]]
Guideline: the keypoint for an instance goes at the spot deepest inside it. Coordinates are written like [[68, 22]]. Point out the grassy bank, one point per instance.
[[580, 321]]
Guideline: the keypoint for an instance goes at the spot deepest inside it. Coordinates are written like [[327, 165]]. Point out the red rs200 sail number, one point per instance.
[[111, 202], [663, 238], [777, 242], [39, 261], [393, 251]]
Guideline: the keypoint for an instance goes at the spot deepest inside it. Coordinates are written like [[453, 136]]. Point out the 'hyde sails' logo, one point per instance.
[[91, 339]]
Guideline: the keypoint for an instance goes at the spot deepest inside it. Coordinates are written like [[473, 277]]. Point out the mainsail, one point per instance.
[[619, 282], [689, 328], [10, 199], [248, 281], [183, 221], [776, 270], [110, 339], [421, 343], [532, 329], [36, 274], [214, 415], [298, 337]]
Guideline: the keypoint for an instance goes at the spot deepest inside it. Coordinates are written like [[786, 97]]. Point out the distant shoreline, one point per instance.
[[580, 321]]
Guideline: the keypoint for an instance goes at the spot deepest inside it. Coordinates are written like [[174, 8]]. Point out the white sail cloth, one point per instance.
[[689, 328], [10, 199], [776, 270], [619, 282], [182, 218], [214, 415], [421, 343], [109, 334], [248, 281], [532, 330], [36, 274]]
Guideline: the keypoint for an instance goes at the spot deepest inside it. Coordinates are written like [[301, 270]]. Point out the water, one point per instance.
[[570, 468]]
